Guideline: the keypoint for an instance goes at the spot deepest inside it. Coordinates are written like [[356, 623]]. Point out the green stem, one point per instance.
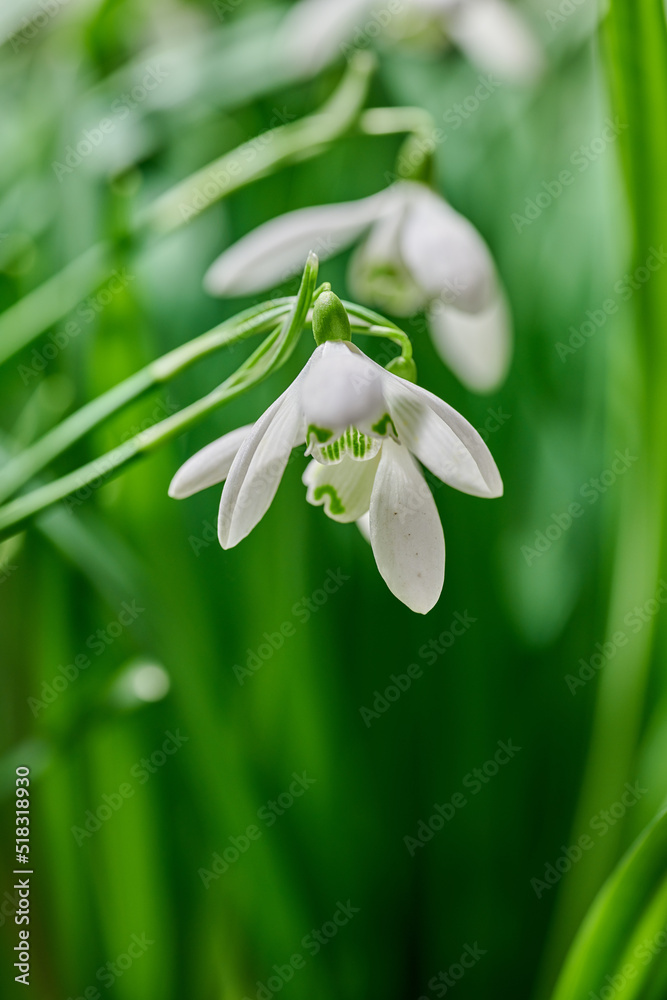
[[50, 302], [28, 463], [415, 157], [388, 121], [254, 159], [378, 326], [39, 309], [637, 64], [273, 352]]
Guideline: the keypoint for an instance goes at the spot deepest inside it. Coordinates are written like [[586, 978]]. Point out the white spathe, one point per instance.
[[362, 436], [417, 253], [493, 34]]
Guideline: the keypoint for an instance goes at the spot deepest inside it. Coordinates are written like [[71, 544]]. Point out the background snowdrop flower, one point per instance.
[[365, 429], [418, 253], [492, 33]]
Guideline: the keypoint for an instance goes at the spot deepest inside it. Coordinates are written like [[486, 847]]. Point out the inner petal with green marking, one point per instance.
[[343, 489], [351, 443]]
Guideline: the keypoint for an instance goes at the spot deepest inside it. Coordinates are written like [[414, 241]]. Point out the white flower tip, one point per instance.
[[215, 280], [497, 490], [175, 492], [180, 488]]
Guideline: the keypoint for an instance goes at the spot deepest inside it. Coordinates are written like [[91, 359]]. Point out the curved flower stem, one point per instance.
[[378, 326], [28, 463], [270, 355], [387, 121], [45, 305], [416, 154], [280, 146]]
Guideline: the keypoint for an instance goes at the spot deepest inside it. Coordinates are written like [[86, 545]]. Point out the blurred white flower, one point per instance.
[[418, 254], [492, 33], [362, 425]]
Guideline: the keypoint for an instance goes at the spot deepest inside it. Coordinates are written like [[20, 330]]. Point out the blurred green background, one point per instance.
[[172, 864]]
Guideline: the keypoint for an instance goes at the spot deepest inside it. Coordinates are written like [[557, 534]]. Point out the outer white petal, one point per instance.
[[278, 249], [477, 348], [377, 273], [442, 439], [406, 533], [446, 255], [343, 489], [494, 36], [343, 388], [314, 32], [364, 526], [259, 465], [208, 466]]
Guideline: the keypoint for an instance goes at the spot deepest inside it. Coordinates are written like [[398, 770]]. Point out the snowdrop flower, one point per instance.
[[491, 33], [418, 254], [366, 429]]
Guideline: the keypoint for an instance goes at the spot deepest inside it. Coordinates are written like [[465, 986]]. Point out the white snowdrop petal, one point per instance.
[[259, 465], [406, 533], [377, 273], [344, 489], [446, 255], [364, 526], [494, 35], [442, 439], [208, 466], [278, 249], [343, 389], [314, 32], [478, 348]]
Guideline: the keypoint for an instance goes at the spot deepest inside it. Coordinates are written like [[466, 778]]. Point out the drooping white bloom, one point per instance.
[[366, 430], [418, 254], [491, 33]]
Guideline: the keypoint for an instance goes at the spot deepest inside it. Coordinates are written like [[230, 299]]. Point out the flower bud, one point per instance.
[[330, 320]]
